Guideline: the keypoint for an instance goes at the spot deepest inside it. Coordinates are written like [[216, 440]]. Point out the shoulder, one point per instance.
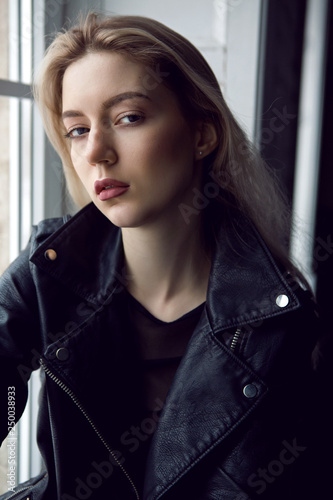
[[18, 273]]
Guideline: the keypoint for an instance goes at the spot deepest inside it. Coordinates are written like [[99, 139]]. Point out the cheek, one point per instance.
[[167, 145], [76, 156], [81, 167], [146, 153], [78, 159]]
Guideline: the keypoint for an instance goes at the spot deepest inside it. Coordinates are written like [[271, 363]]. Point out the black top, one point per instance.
[[161, 346]]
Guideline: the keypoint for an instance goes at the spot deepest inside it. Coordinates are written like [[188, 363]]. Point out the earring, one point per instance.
[[200, 153]]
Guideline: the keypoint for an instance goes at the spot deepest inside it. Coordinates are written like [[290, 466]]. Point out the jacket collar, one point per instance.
[[244, 284], [89, 254]]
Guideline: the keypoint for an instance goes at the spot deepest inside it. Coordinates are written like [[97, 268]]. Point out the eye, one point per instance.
[[130, 118], [76, 132]]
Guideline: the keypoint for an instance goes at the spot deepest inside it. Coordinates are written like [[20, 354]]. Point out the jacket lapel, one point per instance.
[[205, 404], [89, 255], [245, 282]]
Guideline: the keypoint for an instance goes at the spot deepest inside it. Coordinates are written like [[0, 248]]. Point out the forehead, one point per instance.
[[103, 74], [105, 63]]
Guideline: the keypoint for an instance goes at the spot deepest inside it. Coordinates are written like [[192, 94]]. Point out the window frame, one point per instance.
[[36, 182]]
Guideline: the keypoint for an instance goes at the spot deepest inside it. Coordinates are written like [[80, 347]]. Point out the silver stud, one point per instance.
[[282, 300], [62, 354], [250, 391]]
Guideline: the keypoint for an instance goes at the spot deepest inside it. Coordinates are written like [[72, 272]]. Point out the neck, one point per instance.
[[168, 267]]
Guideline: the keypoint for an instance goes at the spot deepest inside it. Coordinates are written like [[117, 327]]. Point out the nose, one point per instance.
[[99, 148]]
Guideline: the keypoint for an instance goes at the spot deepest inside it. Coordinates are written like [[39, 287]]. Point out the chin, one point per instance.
[[122, 217]]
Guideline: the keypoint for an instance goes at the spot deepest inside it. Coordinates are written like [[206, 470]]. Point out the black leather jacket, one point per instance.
[[235, 423]]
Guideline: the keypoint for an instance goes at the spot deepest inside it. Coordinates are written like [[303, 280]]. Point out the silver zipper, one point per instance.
[[19, 491], [25, 488], [235, 339], [74, 398]]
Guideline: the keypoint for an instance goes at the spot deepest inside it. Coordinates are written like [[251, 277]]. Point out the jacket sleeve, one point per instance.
[[19, 339]]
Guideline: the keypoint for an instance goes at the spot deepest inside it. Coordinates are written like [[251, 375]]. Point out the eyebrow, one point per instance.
[[109, 103]]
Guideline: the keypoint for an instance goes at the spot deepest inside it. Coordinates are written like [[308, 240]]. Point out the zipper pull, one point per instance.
[[235, 339]]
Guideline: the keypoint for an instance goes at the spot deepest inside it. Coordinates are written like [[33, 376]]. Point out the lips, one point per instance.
[[109, 188], [108, 184]]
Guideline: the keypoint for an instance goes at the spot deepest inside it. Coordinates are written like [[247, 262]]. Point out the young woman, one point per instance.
[[173, 335]]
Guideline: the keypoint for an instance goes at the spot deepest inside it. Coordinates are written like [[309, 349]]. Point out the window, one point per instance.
[[31, 179], [20, 130]]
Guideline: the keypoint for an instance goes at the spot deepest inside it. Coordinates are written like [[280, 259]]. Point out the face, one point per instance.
[[130, 144]]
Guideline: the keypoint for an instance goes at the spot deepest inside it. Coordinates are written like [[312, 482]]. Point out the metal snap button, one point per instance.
[[50, 254], [62, 354], [282, 300], [250, 391]]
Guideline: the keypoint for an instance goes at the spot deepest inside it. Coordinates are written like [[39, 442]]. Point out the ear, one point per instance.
[[205, 140]]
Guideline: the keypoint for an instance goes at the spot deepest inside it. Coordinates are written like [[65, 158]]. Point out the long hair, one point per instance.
[[235, 166]]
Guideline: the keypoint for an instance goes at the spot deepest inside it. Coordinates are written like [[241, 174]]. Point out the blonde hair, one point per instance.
[[243, 178]]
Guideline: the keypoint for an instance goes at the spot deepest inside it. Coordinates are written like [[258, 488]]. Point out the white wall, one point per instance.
[[242, 56], [193, 19]]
